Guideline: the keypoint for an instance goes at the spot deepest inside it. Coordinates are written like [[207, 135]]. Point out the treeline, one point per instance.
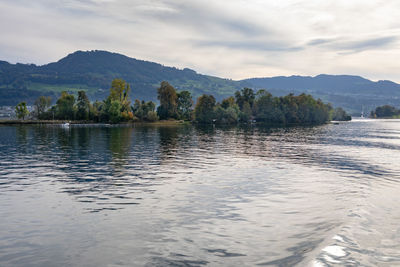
[[245, 106], [263, 107], [385, 111]]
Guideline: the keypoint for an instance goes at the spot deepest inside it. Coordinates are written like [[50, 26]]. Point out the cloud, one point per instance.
[[206, 18], [248, 45], [317, 42], [374, 43], [233, 39], [351, 45]]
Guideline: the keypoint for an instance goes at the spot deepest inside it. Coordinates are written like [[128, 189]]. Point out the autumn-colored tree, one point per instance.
[[117, 105], [119, 91]]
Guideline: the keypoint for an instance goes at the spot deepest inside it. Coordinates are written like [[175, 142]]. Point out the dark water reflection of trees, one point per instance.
[[95, 159]]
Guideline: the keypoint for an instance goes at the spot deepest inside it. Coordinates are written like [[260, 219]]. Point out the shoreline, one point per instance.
[[156, 123], [61, 122]]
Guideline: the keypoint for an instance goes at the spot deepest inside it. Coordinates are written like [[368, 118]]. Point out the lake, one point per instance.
[[200, 196]]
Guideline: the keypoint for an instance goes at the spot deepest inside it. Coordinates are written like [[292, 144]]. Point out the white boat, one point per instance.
[[66, 125]]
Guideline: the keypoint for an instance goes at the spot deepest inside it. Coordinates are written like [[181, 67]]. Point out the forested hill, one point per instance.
[[93, 71], [353, 93]]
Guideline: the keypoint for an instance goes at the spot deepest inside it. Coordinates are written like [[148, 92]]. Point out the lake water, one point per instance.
[[188, 196]]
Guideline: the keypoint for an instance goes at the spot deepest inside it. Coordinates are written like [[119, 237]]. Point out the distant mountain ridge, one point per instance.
[[93, 71], [335, 83]]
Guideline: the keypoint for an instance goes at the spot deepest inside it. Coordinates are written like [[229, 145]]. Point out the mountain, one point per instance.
[[93, 71], [353, 93]]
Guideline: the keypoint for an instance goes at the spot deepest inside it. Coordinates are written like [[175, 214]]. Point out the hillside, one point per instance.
[[93, 71]]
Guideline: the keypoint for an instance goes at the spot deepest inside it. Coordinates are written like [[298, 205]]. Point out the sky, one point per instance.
[[233, 39]]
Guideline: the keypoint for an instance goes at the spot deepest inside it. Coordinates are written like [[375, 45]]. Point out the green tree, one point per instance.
[[386, 111], [145, 111], [226, 116], [41, 105], [137, 109], [168, 101], [21, 110], [118, 98], [227, 112], [99, 112], [228, 102], [267, 108], [246, 113], [114, 111], [119, 91], [290, 108], [243, 96], [204, 110], [185, 104], [65, 106], [231, 115], [94, 111], [83, 106], [152, 116]]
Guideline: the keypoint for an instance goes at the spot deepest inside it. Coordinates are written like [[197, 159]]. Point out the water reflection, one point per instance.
[[196, 195], [119, 140], [22, 135], [83, 153]]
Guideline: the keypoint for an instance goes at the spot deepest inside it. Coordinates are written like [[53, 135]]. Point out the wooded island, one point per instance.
[[245, 106]]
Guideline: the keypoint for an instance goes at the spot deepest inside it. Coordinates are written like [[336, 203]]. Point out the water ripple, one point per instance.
[[194, 196]]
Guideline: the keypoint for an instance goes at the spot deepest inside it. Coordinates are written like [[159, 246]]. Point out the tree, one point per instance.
[[119, 91], [95, 111], [117, 105], [41, 105], [267, 108], [185, 104], [340, 115], [152, 116], [386, 111], [114, 111], [21, 110], [145, 110], [99, 111], [289, 108], [168, 101], [226, 116], [204, 110], [83, 106], [231, 115], [65, 106], [243, 96], [228, 102], [246, 113]]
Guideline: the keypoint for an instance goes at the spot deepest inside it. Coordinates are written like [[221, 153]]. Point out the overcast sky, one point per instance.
[[227, 38]]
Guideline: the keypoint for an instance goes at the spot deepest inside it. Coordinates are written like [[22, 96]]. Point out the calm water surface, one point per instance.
[[187, 196]]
